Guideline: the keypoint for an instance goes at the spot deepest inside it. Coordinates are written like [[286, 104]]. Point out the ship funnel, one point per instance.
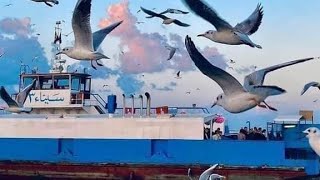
[[148, 104], [132, 108], [124, 105], [141, 105]]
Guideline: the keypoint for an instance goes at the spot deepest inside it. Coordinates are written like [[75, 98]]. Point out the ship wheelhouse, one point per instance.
[[62, 92]]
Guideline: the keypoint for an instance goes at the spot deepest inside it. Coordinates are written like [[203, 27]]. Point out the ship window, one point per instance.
[[46, 82], [294, 153], [61, 82], [27, 81], [88, 84], [75, 84]]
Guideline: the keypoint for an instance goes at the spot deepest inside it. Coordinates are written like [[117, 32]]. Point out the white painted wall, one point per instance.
[[102, 128]]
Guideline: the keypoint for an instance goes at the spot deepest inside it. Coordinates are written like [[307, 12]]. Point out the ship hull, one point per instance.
[[148, 158], [31, 170]]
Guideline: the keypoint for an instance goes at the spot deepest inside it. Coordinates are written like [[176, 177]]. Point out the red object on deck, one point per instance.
[[219, 119], [129, 110], [162, 110]]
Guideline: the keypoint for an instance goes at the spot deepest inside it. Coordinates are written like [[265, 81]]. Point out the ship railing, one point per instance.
[[96, 100], [77, 98], [174, 111]]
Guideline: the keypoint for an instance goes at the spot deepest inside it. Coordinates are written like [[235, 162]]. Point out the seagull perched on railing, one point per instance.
[[166, 20], [16, 106], [226, 34], [83, 48], [308, 85], [47, 2], [313, 134]]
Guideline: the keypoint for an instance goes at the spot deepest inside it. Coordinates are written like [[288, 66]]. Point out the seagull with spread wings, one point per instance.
[[84, 43], [226, 34], [16, 106], [235, 98], [166, 20], [172, 11], [47, 2]]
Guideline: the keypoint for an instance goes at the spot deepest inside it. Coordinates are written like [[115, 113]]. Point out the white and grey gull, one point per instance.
[[172, 11], [313, 135], [166, 20], [47, 2], [235, 98], [208, 174], [16, 106], [83, 47], [226, 34]]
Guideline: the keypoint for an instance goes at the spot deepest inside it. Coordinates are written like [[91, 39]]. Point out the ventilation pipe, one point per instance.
[[148, 104], [124, 105], [132, 108], [141, 105]]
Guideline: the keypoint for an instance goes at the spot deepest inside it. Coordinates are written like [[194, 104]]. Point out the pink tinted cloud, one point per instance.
[[146, 51], [15, 26]]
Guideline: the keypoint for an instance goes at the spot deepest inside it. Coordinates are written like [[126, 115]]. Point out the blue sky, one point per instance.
[[288, 31]]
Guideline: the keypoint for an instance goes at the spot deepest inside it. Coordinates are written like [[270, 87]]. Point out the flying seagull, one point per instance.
[[2, 54], [308, 85], [84, 44], [166, 20], [172, 51], [47, 2], [66, 35], [236, 98], [7, 5], [226, 34], [208, 174], [232, 61], [16, 106], [178, 75], [172, 11], [313, 134]]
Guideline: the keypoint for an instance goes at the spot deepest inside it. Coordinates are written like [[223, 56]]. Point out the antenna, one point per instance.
[[56, 62]]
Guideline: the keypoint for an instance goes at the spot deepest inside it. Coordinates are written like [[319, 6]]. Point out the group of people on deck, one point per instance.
[[253, 134], [216, 135]]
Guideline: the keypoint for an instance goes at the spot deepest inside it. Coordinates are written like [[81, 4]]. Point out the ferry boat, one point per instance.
[[72, 133]]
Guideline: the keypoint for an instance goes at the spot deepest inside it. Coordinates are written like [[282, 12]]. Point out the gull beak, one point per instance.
[[303, 134], [200, 35], [214, 103]]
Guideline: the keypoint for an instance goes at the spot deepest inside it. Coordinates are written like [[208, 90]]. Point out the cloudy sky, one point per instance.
[[138, 54]]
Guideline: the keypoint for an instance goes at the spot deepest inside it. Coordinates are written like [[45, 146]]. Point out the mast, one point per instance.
[[57, 64]]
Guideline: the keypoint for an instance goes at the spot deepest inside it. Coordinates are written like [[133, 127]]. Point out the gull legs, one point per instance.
[[265, 105], [97, 61]]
